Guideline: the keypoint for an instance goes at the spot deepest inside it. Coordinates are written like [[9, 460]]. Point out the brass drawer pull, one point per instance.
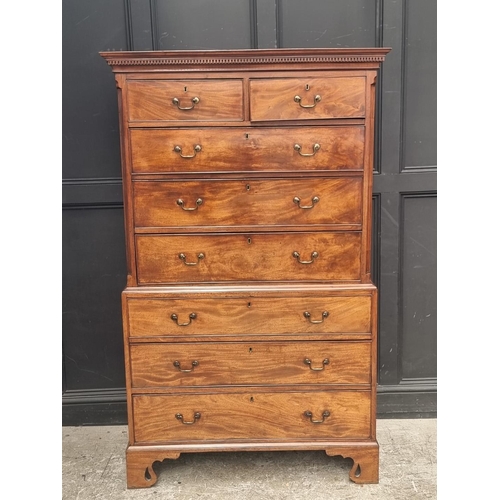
[[307, 361], [314, 255], [194, 100], [196, 417], [309, 415], [315, 200], [298, 148], [180, 202], [307, 315], [175, 318], [194, 364], [298, 99], [196, 149], [182, 256]]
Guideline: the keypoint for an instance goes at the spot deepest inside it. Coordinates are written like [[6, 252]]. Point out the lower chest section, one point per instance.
[[250, 364]]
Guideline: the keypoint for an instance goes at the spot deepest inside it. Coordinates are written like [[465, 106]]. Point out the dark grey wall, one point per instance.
[[404, 201]]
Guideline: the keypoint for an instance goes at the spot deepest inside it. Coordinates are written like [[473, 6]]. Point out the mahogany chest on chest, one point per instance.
[[249, 315]]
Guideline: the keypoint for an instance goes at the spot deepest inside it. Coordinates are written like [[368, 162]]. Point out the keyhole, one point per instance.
[[185, 89], [307, 87], [250, 349], [251, 399], [249, 240], [249, 304], [246, 136]]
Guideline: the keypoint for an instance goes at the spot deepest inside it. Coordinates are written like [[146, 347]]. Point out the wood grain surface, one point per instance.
[[248, 203], [149, 317], [247, 149], [250, 363], [219, 100], [246, 415], [274, 99], [248, 257]]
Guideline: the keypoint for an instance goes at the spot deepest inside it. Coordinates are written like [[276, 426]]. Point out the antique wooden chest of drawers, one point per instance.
[[249, 314]]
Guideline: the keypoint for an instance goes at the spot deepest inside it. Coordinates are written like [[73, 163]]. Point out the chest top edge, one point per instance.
[[246, 59]]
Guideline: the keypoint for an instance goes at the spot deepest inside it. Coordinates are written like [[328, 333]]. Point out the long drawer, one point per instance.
[[333, 201], [251, 415], [247, 315], [333, 256], [249, 363], [247, 149]]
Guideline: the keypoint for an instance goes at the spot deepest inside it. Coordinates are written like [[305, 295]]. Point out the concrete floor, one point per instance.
[[93, 468]]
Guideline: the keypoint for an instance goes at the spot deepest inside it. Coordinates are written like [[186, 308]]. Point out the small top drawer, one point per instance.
[[307, 98], [185, 100]]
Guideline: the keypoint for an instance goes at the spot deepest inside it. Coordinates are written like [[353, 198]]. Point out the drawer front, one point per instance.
[[248, 257], [247, 149], [185, 100], [249, 363], [307, 98], [251, 415], [156, 317], [248, 202]]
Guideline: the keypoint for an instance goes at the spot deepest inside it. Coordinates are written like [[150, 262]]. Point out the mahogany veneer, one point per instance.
[[249, 314], [247, 149]]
